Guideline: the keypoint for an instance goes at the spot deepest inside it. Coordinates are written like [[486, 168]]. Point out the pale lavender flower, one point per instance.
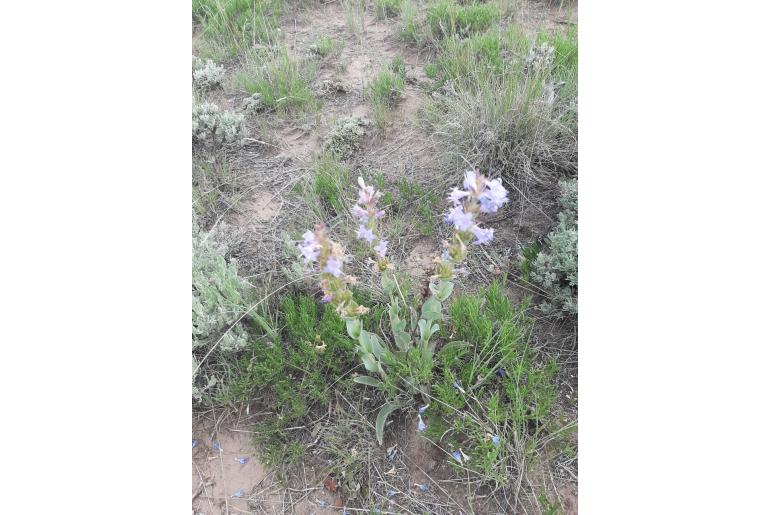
[[242, 461], [310, 247], [462, 221], [381, 248], [457, 195], [421, 427], [333, 267], [470, 181], [360, 213], [482, 235], [217, 447], [421, 409], [457, 385], [364, 233], [457, 456], [365, 193], [495, 439], [195, 444], [391, 493], [423, 488], [238, 494], [380, 213], [326, 299], [493, 197], [322, 503]]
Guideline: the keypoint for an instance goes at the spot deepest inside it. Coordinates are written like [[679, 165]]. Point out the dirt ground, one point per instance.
[[220, 483]]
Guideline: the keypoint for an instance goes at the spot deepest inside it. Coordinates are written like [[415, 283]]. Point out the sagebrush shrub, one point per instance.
[[206, 74], [555, 269], [344, 137], [219, 298], [210, 126]]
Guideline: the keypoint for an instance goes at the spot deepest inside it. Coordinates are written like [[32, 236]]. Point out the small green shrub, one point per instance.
[[283, 83], [555, 269], [212, 127], [387, 8], [386, 89]]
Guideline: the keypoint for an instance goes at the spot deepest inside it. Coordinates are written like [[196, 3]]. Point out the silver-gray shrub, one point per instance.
[[206, 74], [555, 269], [219, 299], [344, 137], [213, 127]]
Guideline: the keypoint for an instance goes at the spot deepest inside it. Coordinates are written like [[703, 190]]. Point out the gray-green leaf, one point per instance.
[[442, 290], [382, 416], [353, 325], [369, 381], [431, 309]]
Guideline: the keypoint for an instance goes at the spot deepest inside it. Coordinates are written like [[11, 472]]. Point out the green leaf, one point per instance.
[[353, 325], [403, 340], [427, 329], [370, 342], [431, 309], [388, 284], [369, 362], [442, 290], [369, 381], [382, 416]]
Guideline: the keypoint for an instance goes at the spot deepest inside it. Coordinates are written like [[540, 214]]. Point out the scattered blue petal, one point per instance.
[[391, 493], [238, 494], [457, 456], [496, 440], [501, 372], [421, 409], [423, 488], [242, 461], [195, 444], [217, 447], [421, 427]]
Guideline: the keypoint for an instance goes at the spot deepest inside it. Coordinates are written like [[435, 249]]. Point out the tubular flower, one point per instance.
[[328, 258], [478, 196], [367, 213]]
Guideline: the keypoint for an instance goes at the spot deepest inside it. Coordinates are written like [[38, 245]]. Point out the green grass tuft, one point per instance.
[[386, 89], [282, 82]]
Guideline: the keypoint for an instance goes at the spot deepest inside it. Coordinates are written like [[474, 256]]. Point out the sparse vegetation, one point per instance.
[[352, 327], [386, 89], [387, 8], [326, 46]]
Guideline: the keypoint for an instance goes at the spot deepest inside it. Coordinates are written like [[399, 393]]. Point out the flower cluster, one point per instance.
[[320, 251], [367, 214], [478, 196]]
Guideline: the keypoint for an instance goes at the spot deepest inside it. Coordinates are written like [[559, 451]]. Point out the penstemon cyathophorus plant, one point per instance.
[[402, 364]]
